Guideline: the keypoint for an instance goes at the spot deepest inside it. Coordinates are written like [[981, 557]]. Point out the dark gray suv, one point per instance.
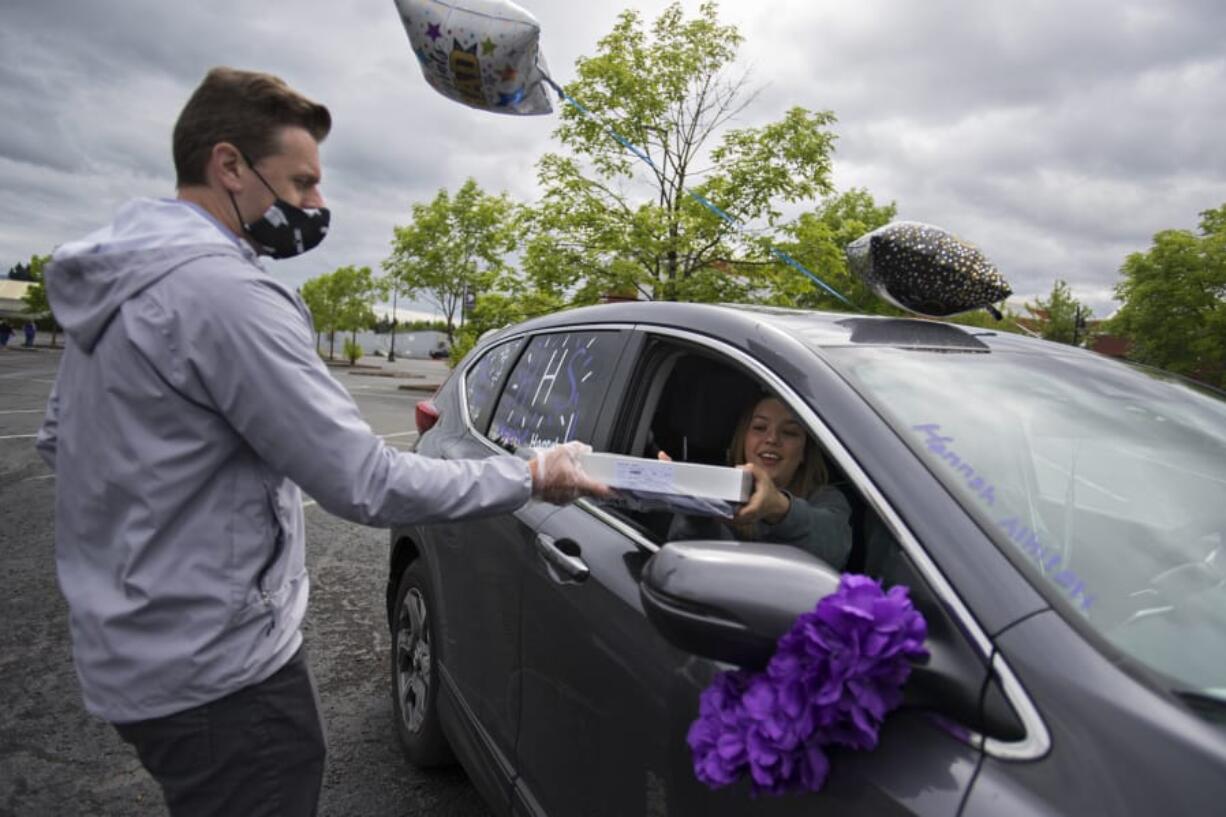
[[1059, 519]]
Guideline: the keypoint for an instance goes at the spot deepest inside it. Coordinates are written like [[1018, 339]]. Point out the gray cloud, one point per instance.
[[1059, 136]]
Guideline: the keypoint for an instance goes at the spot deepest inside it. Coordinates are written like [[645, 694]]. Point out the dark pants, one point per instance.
[[259, 751]]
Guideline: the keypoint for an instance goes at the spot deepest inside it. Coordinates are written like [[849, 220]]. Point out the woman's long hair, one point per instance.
[[810, 475]]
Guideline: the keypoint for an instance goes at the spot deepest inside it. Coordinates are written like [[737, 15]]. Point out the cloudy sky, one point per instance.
[[1058, 135]]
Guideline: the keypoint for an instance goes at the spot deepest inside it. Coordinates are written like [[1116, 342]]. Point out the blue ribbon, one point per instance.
[[703, 200]]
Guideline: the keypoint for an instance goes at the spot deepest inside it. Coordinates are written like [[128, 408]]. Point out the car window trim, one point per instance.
[[1037, 740]]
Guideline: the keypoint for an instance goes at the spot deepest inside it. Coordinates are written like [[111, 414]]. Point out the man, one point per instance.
[[186, 414]]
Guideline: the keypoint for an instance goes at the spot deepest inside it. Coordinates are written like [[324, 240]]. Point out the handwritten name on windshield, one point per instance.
[[1045, 557]]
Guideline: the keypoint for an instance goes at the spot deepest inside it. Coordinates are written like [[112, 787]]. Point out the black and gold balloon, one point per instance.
[[924, 269]]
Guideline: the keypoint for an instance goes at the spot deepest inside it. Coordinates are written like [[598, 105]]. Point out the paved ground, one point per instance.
[[56, 760]]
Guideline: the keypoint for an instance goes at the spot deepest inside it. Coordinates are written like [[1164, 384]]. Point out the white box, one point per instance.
[[682, 487]]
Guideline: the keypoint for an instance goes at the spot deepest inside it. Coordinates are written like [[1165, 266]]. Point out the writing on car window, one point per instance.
[[482, 380], [1048, 559], [555, 391]]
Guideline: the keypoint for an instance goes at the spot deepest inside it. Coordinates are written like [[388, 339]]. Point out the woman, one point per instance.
[[791, 503]]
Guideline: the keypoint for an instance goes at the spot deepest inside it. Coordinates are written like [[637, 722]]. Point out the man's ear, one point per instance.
[[226, 165]]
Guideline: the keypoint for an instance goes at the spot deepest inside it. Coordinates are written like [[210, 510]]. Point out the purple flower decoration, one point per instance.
[[717, 738], [832, 680]]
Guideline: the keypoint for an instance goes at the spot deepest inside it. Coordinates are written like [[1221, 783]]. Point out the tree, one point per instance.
[[1061, 317], [317, 294], [608, 223], [356, 291], [37, 305], [340, 300], [516, 300], [453, 245], [819, 241], [1174, 301]]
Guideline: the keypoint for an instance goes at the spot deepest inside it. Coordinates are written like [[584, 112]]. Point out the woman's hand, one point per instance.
[[767, 503]]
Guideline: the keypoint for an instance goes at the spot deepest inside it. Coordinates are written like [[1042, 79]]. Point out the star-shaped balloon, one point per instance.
[[481, 30]]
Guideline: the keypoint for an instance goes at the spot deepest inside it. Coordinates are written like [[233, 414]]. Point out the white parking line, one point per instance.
[[27, 374], [23, 411], [18, 437]]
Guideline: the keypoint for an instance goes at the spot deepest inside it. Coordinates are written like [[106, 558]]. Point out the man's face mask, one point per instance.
[[284, 230]]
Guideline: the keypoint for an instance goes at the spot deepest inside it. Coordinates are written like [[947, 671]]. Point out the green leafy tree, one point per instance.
[[1174, 301], [1060, 317], [519, 301], [609, 224], [819, 240], [35, 298], [356, 291], [455, 244], [318, 296], [341, 301]]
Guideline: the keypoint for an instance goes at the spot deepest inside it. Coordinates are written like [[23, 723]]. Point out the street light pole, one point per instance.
[[391, 351]]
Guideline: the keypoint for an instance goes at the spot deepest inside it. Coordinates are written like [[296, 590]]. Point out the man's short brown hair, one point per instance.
[[246, 109]]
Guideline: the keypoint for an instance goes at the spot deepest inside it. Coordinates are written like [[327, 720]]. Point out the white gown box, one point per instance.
[[681, 487]]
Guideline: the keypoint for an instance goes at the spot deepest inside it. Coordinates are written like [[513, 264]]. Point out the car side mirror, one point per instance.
[[728, 601], [731, 602]]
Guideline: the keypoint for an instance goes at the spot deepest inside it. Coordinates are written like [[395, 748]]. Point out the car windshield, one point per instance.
[[1110, 480]]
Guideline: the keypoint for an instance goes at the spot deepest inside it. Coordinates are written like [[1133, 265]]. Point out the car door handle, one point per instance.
[[563, 555]]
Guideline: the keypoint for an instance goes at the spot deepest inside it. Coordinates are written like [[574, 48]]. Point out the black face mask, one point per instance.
[[284, 230]]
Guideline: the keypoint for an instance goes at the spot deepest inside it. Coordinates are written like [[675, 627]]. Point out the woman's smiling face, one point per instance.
[[775, 441]]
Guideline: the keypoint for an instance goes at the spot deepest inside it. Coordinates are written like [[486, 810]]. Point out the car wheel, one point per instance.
[[415, 680]]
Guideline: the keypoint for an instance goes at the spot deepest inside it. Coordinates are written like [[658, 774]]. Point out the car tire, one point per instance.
[[415, 676]]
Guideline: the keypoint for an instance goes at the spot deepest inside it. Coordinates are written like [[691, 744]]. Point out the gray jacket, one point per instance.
[[189, 406], [820, 523]]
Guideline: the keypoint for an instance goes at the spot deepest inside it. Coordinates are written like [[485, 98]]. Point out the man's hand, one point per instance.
[[558, 478]]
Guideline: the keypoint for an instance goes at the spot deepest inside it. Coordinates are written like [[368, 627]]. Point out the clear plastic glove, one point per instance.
[[558, 478]]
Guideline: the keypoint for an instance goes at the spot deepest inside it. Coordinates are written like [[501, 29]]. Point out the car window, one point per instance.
[[555, 392], [483, 380], [1107, 480], [687, 405]]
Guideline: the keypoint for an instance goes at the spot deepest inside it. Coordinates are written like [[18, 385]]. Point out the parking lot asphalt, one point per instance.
[[56, 759]]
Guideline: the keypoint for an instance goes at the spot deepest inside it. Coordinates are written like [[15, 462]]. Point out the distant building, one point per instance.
[[12, 295], [1110, 345]]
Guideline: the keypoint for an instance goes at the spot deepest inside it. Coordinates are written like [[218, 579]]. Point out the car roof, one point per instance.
[[815, 329]]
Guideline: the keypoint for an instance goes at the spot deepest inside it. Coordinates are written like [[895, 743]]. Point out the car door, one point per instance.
[[607, 702], [553, 393], [476, 578]]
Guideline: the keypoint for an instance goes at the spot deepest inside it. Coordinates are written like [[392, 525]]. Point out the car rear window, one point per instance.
[[483, 379], [556, 389]]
